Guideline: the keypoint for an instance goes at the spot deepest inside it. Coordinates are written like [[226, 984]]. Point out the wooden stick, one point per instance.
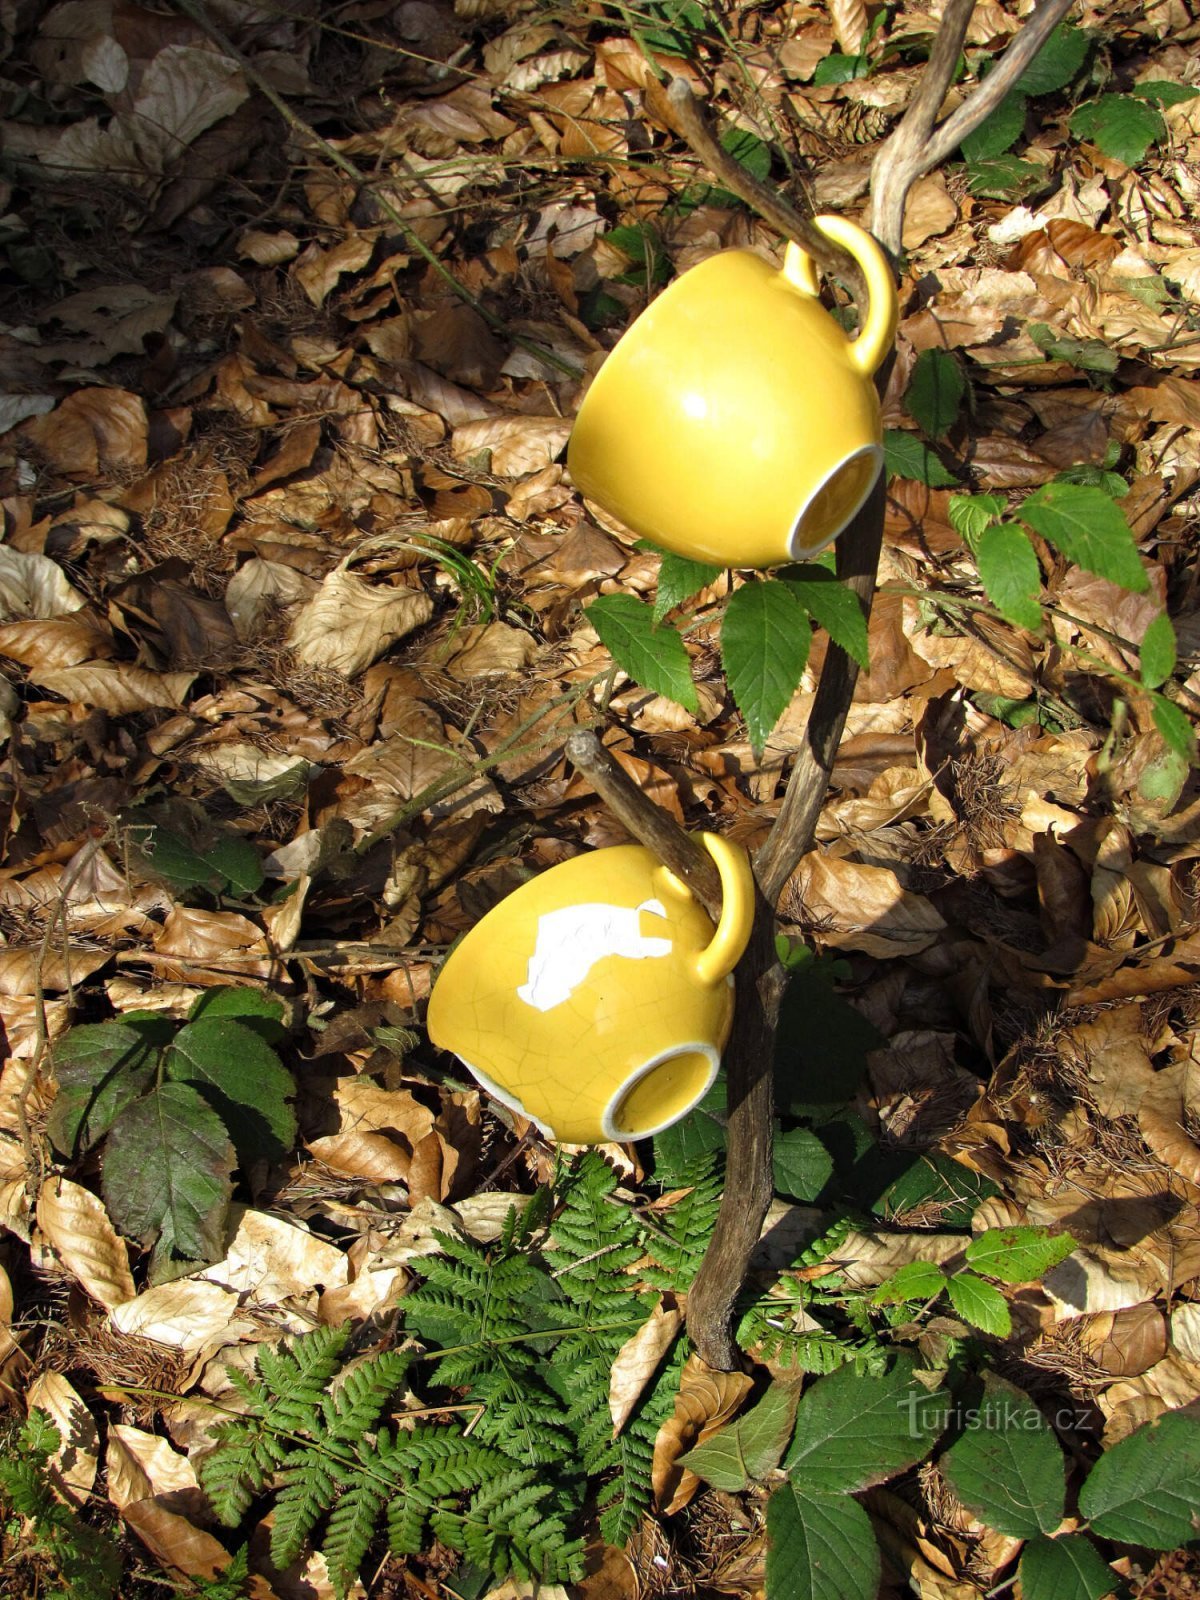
[[648, 823]]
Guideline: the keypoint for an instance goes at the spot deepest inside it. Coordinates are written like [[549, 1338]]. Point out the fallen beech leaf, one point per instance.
[[348, 623], [117, 687], [1185, 1330], [638, 1360], [269, 1260], [32, 585], [20, 970], [54, 641], [707, 1399], [152, 1485], [493, 650], [858, 907], [260, 585], [1169, 1103], [317, 271], [185, 1314], [78, 1227], [929, 210], [199, 935], [517, 444], [1170, 1385], [74, 1464], [91, 429], [1125, 1343]]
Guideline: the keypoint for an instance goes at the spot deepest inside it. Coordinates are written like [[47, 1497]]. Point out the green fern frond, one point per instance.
[[685, 1228], [351, 1527]]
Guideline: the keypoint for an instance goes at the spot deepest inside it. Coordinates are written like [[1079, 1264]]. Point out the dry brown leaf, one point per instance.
[[92, 429], [259, 586], [75, 1462], [349, 623], [866, 1259], [198, 935], [857, 907], [33, 586], [1170, 1102], [186, 1314], [492, 650], [517, 444], [317, 271], [54, 642], [1185, 1330], [79, 1229], [1126, 1342], [929, 210], [1170, 1385], [706, 1401], [57, 969], [117, 687], [152, 1486], [1114, 1052], [638, 1360], [849, 18], [267, 249], [269, 1260]]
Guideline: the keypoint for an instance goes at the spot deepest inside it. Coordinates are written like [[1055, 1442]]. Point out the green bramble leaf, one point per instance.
[[997, 132], [99, 1068], [168, 1164], [1067, 1568], [1175, 727], [1145, 1490], [980, 1304], [1158, 651], [837, 68], [1057, 62], [1004, 177], [970, 514], [653, 657], [919, 1280], [252, 1007], [1120, 125], [802, 1165], [854, 1430], [1007, 1467], [906, 456], [1162, 92], [1009, 572], [765, 636], [820, 1547], [748, 150], [242, 1078], [679, 579], [1087, 527], [745, 1450], [935, 392], [1089, 355], [832, 606], [1018, 1255]]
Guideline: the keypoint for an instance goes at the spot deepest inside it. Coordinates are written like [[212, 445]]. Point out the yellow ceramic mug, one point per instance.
[[735, 422], [596, 998]]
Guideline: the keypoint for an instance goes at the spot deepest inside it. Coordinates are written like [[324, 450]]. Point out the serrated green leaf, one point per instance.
[[998, 131], [242, 1078], [802, 1166], [679, 580], [1175, 727], [168, 1156], [1162, 92], [1009, 572], [970, 514], [1018, 1255], [1008, 1467], [935, 392], [171, 859], [251, 1007], [238, 863], [99, 1069], [853, 1431], [745, 1450], [935, 1180], [1158, 651], [820, 1547], [919, 1280], [1087, 527], [906, 456], [1119, 125], [653, 657], [980, 1304], [765, 637], [832, 605], [640, 242], [748, 150], [1067, 1568], [1004, 177], [698, 1134], [1146, 1489], [1057, 62]]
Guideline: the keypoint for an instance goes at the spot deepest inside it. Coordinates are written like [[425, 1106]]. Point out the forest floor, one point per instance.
[[291, 635]]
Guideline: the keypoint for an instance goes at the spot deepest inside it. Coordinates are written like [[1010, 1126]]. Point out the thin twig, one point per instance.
[[917, 146], [297, 123], [647, 822], [770, 205]]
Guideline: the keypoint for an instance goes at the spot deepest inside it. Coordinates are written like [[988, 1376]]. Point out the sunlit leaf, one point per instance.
[[765, 636], [652, 656]]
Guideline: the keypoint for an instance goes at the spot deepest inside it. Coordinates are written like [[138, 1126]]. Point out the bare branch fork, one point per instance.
[[918, 144]]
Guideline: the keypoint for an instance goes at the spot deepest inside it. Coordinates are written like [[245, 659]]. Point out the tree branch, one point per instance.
[[771, 207], [649, 823], [916, 146]]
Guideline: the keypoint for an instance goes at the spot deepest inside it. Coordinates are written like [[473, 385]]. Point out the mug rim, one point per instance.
[[696, 1047], [796, 552]]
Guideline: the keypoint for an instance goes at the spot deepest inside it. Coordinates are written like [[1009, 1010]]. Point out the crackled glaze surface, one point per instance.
[[570, 987]]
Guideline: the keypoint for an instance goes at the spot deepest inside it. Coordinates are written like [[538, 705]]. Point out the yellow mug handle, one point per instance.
[[878, 331], [737, 910]]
